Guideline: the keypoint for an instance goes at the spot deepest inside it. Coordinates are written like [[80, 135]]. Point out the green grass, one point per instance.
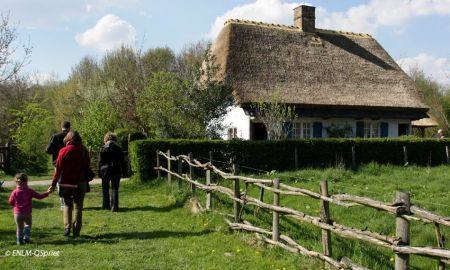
[[155, 230], [43, 176], [428, 188]]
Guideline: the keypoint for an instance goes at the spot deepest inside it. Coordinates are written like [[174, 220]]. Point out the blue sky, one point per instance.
[[416, 33]]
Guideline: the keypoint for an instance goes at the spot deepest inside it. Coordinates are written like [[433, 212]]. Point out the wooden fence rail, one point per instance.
[[402, 209]]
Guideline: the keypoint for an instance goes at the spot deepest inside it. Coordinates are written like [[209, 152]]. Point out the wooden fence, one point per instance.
[[401, 209], [5, 156]]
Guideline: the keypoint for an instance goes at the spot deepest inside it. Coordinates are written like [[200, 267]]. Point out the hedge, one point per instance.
[[279, 155], [124, 135]]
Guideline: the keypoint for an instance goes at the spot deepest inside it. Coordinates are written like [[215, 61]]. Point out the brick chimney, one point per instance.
[[305, 18]]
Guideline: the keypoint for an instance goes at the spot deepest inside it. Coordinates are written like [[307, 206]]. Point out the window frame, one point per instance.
[[302, 130], [372, 129]]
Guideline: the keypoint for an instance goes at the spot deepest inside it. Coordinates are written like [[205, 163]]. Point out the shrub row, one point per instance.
[[279, 155]]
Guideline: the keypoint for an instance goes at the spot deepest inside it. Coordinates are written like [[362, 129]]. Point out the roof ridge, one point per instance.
[[294, 28]]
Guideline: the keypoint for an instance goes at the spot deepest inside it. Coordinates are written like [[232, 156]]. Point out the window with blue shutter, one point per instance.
[[384, 130], [287, 129], [360, 129], [317, 130]]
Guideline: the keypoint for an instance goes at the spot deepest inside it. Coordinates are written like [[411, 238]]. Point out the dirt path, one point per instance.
[[48, 182]]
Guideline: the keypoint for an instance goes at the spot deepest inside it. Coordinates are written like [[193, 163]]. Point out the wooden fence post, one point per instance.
[[191, 173], [261, 194], [402, 229], [210, 156], [158, 163], [169, 168], [208, 192], [237, 194], [353, 158], [180, 170], [440, 243], [296, 158], [8, 156], [447, 153], [325, 217], [405, 156], [276, 215]]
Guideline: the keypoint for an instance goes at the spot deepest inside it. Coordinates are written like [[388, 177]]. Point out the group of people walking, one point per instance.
[[71, 176]]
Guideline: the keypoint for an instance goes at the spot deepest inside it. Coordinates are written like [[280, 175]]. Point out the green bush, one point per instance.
[[279, 155], [125, 134]]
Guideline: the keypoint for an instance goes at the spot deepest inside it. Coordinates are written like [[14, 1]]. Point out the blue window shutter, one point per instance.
[[287, 128], [317, 130], [360, 129], [384, 130]]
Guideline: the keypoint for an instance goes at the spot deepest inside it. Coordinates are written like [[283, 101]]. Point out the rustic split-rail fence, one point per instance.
[[5, 156], [402, 210]]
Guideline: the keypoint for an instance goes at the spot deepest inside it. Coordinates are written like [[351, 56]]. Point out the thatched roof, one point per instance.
[[425, 122], [319, 68]]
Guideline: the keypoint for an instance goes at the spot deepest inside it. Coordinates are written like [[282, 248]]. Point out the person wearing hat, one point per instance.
[[439, 134]]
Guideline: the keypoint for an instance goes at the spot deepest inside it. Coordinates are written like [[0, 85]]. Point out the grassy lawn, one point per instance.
[[428, 188], [156, 228], [45, 176]]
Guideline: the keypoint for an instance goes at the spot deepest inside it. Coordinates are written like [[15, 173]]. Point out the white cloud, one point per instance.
[[88, 8], [436, 68], [378, 13], [43, 78], [271, 11], [109, 32], [365, 18], [53, 13]]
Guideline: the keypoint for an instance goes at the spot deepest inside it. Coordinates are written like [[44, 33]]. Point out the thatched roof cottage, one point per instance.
[[335, 79]]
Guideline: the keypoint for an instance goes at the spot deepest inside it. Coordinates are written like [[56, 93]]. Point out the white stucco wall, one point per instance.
[[236, 118]]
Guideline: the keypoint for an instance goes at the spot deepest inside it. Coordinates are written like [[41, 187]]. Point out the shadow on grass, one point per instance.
[[112, 238], [179, 203], [37, 204], [8, 235]]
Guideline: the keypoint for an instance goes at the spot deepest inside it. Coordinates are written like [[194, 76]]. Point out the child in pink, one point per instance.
[[21, 199]]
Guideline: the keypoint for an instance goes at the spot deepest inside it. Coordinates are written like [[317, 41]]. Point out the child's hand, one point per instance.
[[50, 189]]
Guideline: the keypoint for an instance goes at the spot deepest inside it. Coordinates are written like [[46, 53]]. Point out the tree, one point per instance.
[[9, 67], [158, 59], [178, 107], [96, 118], [189, 61], [30, 131], [275, 116], [210, 97], [435, 96], [121, 74], [13, 88], [13, 96]]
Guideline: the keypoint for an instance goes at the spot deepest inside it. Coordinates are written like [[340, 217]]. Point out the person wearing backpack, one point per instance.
[[111, 166]]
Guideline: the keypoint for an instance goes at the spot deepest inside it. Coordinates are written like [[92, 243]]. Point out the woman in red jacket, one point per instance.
[[71, 167]]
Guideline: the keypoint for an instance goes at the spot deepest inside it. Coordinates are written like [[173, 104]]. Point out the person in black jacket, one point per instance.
[[55, 144], [56, 141], [111, 165]]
